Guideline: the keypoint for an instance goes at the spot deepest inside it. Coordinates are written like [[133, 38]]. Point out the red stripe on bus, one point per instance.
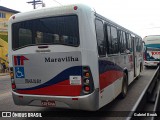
[[15, 60], [22, 58], [109, 77], [60, 89]]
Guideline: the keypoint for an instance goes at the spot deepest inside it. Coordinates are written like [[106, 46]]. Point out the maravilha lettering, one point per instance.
[[65, 59]]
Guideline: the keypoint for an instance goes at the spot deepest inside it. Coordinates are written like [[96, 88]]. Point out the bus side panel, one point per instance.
[[110, 76]]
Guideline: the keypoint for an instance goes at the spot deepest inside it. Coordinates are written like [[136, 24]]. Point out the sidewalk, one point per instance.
[[4, 74]]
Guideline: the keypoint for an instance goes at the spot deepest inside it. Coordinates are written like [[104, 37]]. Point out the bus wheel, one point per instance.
[[124, 86]]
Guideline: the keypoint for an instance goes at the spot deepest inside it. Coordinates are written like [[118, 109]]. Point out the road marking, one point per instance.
[[5, 95]]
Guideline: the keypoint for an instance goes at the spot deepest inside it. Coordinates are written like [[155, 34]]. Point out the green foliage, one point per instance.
[[4, 37]]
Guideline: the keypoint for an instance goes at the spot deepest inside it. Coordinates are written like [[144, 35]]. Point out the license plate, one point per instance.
[[48, 103]]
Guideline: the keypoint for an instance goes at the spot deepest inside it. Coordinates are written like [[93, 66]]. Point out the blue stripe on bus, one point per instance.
[[18, 60], [105, 65], [64, 75], [153, 45]]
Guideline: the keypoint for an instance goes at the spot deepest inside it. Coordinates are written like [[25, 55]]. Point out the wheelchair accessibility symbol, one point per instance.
[[19, 72]]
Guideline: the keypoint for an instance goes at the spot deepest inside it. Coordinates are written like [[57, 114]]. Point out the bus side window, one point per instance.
[[137, 45], [114, 39], [124, 43], [100, 38], [141, 45], [121, 41], [129, 45], [108, 40]]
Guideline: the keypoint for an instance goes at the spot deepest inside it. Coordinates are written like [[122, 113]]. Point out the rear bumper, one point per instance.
[[151, 63], [87, 102]]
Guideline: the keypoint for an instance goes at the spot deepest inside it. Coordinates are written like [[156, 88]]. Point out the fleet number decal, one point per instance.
[[75, 80], [32, 81]]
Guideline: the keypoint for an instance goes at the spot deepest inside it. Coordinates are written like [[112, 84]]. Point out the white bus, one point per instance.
[[71, 57], [151, 50]]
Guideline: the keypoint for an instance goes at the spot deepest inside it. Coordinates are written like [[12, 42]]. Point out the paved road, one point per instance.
[[118, 105]]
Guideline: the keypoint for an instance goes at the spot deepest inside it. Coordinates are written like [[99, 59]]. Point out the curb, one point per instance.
[[4, 74]]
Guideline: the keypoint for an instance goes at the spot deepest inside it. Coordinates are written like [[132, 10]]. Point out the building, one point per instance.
[[5, 14]]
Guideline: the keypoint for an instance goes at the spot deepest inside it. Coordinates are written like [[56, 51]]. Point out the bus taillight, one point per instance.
[[86, 81], [86, 74], [12, 79], [87, 88], [13, 86], [88, 85], [11, 73]]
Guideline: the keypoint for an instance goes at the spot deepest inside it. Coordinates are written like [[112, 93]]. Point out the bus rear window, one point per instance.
[[62, 30]]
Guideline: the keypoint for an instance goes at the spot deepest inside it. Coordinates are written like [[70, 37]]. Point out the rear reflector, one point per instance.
[[74, 98], [75, 7], [41, 47], [13, 17], [21, 97], [13, 86]]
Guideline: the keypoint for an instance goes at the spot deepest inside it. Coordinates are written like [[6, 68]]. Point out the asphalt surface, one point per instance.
[[118, 107]]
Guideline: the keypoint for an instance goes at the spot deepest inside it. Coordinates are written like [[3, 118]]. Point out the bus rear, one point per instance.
[[151, 50], [46, 60]]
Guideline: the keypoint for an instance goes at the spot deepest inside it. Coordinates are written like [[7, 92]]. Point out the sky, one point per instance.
[[140, 16]]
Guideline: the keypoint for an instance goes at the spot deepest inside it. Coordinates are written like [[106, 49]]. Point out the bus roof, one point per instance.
[[61, 10], [152, 39], [117, 25], [50, 11]]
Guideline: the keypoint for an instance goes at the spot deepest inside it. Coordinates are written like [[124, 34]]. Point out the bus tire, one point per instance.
[[147, 67], [124, 86]]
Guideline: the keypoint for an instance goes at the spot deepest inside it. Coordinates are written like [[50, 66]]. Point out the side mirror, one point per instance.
[[127, 51], [143, 42]]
